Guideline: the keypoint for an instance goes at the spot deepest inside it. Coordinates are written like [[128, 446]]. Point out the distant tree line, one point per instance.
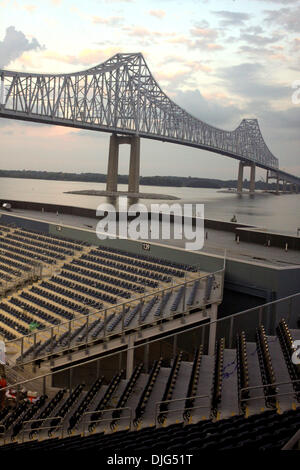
[[177, 181]]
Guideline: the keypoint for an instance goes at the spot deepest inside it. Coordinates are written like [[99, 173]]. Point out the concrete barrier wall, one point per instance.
[[263, 238]]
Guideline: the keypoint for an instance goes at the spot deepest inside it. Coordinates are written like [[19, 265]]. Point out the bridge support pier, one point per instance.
[[242, 165], [284, 186], [113, 162], [134, 165], [252, 179], [240, 178]]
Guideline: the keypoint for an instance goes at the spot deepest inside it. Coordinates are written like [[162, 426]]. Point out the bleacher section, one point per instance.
[[86, 279], [171, 396]]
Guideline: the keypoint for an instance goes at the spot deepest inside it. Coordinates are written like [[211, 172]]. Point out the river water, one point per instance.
[[277, 213]]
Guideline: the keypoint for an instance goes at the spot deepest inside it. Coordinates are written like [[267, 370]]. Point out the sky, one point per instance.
[[221, 60]]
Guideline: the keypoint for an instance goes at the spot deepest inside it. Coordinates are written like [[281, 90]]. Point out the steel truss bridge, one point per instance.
[[121, 96]]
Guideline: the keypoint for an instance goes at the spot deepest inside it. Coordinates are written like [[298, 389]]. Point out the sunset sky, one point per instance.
[[221, 60]]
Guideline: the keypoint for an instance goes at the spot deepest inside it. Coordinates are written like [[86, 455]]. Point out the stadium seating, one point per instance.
[[267, 430]]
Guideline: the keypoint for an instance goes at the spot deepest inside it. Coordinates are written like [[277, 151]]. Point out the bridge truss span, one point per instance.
[[121, 96]]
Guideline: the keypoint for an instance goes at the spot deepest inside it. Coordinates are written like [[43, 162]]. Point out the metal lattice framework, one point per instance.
[[122, 96]]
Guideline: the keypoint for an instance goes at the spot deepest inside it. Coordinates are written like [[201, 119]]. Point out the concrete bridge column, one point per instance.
[[277, 184], [113, 163], [134, 165], [252, 179], [240, 178], [284, 186]]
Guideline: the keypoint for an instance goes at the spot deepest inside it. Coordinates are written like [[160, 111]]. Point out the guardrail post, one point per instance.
[[86, 334], [51, 334], [212, 331], [70, 380], [230, 333], [104, 325], [175, 345], [22, 348], [146, 356], [123, 318], [130, 357], [44, 385]]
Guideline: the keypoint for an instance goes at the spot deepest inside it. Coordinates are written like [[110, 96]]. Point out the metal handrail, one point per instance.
[[85, 421], [179, 409], [37, 430], [104, 314], [290, 382]]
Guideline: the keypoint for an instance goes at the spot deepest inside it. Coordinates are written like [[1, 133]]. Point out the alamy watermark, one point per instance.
[[138, 223], [296, 353], [296, 94]]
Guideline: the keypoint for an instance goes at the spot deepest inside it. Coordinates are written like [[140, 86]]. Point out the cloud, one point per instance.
[[111, 21], [259, 40], [252, 82], [215, 110], [14, 44], [30, 8], [157, 13], [86, 57], [231, 18], [285, 18]]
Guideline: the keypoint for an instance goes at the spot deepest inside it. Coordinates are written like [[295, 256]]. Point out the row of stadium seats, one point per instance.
[[84, 281], [134, 261], [168, 393], [34, 247], [19, 249], [95, 276], [144, 394], [266, 368], [40, 420], [105, 400], [53, 249], [15, 314], [35, 311], [288, 350], [217, 377], [61, 241], [156, 260], [193, 383], [116, 273], [264, 431], [125, 265], [77, 415], [126, 394], [53, 297], [46, 305], [65, 408]]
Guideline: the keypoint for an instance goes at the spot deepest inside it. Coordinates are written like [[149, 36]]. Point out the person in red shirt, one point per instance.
[[3, 384]]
